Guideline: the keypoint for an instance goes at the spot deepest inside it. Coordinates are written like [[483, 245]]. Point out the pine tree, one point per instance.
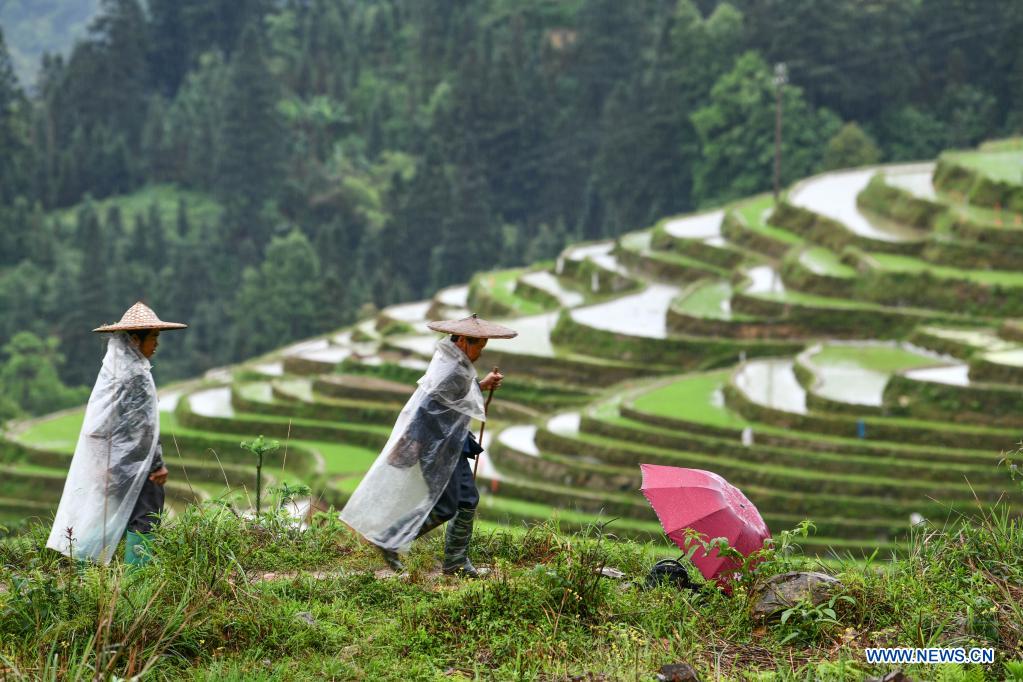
[[421, 210], [251, 148], [121, 33], [170, 45], [194, 122], [11, 141], [611, 37], [467, 242]]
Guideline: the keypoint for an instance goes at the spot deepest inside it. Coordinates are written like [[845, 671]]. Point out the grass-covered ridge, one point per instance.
[[232, 598]]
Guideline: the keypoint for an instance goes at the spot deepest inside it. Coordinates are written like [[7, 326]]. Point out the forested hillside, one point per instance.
[[261, 169]]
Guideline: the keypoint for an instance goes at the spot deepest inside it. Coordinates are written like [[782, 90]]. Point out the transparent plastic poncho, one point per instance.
[[112, 459], [409, 475]]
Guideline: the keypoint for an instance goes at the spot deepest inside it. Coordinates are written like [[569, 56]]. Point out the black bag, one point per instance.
[[670, 571]]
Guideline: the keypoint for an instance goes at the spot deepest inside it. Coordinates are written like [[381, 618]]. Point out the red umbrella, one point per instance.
[[702, 500]]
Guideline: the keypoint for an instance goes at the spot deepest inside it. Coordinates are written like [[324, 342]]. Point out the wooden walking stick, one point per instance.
[[483, 425]]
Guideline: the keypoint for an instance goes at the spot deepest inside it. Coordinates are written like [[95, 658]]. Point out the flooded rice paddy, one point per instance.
[[834, 195], [641, 314]]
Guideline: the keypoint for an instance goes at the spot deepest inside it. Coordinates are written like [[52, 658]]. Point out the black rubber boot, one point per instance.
[[431, 522], [392, 559], [456, 545]]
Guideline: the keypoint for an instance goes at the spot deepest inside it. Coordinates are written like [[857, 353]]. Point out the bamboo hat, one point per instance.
[[139, 316], [474, 327]]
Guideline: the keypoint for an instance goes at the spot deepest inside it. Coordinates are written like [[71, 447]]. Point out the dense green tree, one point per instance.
[[850, 147], [13, 148], [170, 44], [28, 376], [736, 132], [910, 134], [467, 242], [412, 233], [612, 35], [23, 294], [89, 301], [848, 55], [251, 149], [620, 163], [191, 138], [644, 168], [122, 34], [280, 298], [218, 24], [970, 113]]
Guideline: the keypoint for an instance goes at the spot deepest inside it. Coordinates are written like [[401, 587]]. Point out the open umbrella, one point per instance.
[[702, 500]]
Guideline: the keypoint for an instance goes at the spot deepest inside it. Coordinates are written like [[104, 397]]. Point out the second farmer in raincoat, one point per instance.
[[422, 477]]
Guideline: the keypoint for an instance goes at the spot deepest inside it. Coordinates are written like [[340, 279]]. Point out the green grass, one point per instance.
[[981, 339], [705, 300], [200, 207], [672, 258], [675, 400], [340, 458], [211, 611], [756, 470], [753, 213], [880, 358], [59, 433], [500, 286], [496, 505], [692, 399], [1005, 144], [825, 262], [1006, 166], [897, 263], [981, 215], [814, 300]]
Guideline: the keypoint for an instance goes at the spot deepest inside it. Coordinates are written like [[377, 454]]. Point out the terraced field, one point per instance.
[[850, 356]]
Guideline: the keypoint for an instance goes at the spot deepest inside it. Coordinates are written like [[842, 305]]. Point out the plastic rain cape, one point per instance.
[[409, 475], [113, 456]]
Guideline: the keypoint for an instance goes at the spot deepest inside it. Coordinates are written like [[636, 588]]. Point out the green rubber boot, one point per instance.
[[456, 545], [137, 549]]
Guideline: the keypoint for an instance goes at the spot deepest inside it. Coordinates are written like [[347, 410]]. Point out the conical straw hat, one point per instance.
[[474, 327], [139, 316]]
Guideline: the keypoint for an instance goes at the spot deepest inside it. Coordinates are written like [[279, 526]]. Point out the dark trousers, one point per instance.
[[144, 514], [460, 492]]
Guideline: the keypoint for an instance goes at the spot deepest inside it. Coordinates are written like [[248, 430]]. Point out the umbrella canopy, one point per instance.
[[702, 500]]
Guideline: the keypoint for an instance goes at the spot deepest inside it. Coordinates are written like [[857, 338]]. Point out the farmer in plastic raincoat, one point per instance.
[[422, 477], [117, 474]]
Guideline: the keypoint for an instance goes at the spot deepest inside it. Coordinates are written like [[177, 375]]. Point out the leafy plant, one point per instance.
[[1014, 671], [287, 494], [260, 447], [805, 621]]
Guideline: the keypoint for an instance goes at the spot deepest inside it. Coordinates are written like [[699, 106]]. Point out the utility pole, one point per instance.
[[781, 77]]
